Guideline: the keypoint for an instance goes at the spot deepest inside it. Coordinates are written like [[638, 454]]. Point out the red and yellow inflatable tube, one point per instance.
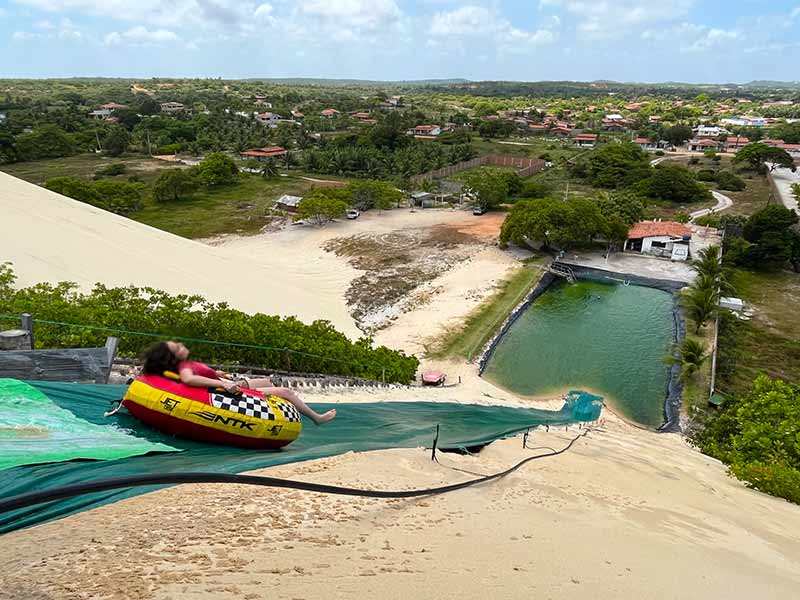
[[248, 420]]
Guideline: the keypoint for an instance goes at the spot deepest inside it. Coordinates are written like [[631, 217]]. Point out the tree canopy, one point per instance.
[[172, 184], [758, 435], [217, 169], [675, 184], [614, 165], [758, 155], [321, 206]]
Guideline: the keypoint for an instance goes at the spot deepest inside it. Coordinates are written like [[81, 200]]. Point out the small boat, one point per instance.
[[433, 378]]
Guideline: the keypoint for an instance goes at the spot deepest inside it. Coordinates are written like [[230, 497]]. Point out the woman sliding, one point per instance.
[[173, 356]]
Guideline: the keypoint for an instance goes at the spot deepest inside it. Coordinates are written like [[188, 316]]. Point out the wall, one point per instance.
[[647, 243]]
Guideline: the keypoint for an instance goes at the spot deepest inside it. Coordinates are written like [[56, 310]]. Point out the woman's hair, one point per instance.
[[159, 358]]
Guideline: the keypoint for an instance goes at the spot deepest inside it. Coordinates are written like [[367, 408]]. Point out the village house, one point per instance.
[[172, 107], [709, 131], [645, 144], [614, 125], [329, 113], [792, 149], [425, 131], [666, 239], [105, 110], [703, 145], [263, 154], [296, 114], [269, 119], [654, 118], [586, 140], [560, 132], [537, 129], [363, 117], [735, 143], [745, 121], [288, 203]]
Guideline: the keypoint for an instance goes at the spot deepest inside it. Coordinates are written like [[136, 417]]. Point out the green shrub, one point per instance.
[[120, 197], [728, 181], [317, 348], [168, 149], [706, 175], [111, 170]]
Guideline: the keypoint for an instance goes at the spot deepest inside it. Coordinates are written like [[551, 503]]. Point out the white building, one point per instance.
[[707, 131], [172, 107], [269, 119], [667, 239]]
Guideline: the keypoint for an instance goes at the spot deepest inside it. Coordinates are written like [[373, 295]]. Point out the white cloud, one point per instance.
[[690, 37], [464, 20], [478, 20], [610, 18], [141, 36], [157, 12]]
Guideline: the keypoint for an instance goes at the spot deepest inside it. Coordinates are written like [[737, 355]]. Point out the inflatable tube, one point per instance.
[[246, 420]]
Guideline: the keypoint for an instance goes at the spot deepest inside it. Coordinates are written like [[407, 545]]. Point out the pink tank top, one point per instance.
[[198, 368]]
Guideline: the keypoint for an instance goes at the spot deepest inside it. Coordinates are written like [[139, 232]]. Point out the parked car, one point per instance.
[[478, 210], [353, 214]]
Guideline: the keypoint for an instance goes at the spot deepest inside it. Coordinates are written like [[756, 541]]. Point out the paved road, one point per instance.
[[723, 203], [784, 178]]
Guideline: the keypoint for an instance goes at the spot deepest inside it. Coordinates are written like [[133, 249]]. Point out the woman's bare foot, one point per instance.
[[325, 417]]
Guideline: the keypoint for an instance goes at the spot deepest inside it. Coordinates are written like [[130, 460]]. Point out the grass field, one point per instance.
[[770, 342], [467, 340], [243, 208], [83, 165]]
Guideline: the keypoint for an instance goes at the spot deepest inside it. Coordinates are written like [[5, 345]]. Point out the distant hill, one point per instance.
[[356, 82]]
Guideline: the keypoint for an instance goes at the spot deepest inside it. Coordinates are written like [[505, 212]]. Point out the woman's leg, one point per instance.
[[287, 394], [256, 383]]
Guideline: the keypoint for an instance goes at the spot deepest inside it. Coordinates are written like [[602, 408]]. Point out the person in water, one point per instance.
[[174, 356]]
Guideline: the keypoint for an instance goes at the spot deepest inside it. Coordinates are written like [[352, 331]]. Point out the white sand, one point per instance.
[[49, 237], [625, 514]]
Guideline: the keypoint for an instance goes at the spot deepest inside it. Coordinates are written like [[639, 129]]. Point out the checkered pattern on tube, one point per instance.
[[254, 406]]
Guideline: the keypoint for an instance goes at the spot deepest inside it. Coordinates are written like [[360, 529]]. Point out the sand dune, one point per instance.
[[625, 514], [49, 237]]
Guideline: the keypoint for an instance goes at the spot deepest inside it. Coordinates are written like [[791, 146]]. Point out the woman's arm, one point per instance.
[[189, 378]]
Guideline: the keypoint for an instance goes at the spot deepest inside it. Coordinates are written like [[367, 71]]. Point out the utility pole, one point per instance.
[[149, 149], [97, 137]]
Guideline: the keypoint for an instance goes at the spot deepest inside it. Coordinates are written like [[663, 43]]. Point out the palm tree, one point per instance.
[[701, 302], [270, 169], [690, 355]]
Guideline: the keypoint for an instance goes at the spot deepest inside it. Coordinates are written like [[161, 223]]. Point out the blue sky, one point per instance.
[[529, 40]]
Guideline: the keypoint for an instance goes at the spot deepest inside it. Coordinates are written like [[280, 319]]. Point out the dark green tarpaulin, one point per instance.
[[358, 427]]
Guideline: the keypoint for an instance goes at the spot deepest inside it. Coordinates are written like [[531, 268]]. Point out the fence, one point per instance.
[[525, 166]]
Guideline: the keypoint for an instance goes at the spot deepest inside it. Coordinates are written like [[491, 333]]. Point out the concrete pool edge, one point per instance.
[[674, 388]]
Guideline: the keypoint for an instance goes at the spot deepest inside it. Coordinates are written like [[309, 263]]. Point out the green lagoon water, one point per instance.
[[605, 338]]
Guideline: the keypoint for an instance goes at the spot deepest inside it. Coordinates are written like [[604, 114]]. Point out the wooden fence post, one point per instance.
[[27, 324]]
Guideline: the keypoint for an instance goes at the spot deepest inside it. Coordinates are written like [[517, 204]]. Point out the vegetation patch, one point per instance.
[[394, 265]]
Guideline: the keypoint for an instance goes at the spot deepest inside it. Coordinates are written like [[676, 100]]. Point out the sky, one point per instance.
[[695, 41]]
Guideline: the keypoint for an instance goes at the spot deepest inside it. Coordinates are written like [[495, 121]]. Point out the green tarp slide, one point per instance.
[[33, 429], [357, 427]]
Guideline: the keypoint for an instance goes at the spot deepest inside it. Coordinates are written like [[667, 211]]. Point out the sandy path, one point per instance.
[[784, 179], [609, 519]]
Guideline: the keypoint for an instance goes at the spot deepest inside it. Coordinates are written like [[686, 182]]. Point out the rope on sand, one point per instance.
[[68, 491]]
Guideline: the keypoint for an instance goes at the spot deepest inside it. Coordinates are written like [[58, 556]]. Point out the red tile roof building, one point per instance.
[[645, 229]]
